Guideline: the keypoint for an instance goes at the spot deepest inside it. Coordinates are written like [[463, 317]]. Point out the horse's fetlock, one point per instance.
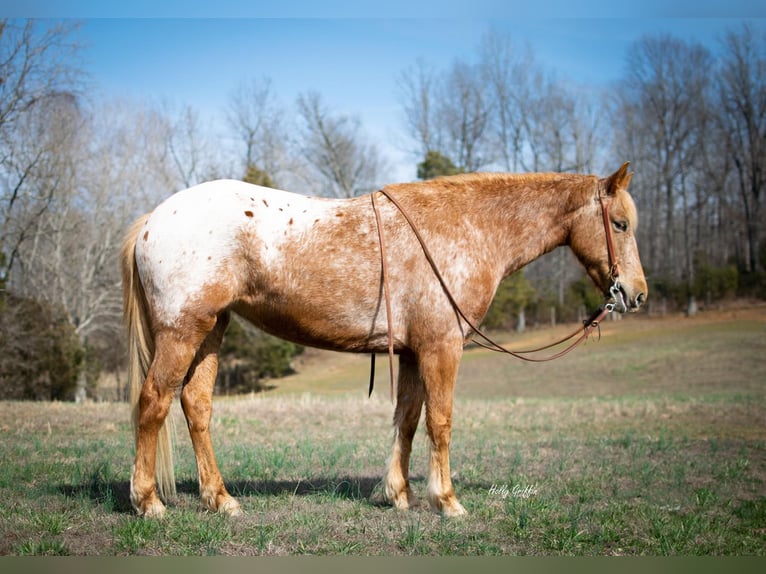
[[447, 506]]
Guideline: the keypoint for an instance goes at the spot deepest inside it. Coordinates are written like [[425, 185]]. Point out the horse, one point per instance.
[[309, 270]]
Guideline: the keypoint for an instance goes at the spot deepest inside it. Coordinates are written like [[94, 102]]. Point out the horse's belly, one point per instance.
[[325, 326]]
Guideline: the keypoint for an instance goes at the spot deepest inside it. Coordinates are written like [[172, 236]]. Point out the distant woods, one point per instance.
[[75, 170]]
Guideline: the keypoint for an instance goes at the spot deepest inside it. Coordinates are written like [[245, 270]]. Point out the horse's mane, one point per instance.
[[504, 183], [486, 178]]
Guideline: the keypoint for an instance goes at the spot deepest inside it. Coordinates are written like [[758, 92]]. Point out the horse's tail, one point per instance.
[[141, 354]]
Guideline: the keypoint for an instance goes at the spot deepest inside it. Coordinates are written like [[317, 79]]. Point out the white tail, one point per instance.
[[140, 356]]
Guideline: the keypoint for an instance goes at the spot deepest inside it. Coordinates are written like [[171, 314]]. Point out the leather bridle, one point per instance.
[[590, 324], [614, 265]]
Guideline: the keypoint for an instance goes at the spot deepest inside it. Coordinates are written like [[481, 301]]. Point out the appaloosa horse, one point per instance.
[[309, 270]]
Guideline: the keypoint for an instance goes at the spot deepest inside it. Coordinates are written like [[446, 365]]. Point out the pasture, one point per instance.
[[651, 441]]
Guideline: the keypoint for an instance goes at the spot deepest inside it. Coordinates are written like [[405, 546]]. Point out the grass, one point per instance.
[[649, 442]]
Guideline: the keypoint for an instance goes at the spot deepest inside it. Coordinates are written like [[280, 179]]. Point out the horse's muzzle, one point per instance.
[[622, 301]]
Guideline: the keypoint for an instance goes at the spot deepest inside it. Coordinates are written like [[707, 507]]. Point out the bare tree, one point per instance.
[[256, 117], [190, 148], [448, 113], [742, 119], [417, 95], [566, 129], [662, 110], [36, 169], [513, 77], [335, 148], [464, 113], [38, 72], [36, 60]]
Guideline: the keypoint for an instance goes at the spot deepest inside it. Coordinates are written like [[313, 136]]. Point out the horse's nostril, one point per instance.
[[640, 299]]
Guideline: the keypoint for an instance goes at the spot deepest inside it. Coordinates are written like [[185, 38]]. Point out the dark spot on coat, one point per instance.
[[249, 213], [146, 236], [265, 203], [339, 214], [290, 222]]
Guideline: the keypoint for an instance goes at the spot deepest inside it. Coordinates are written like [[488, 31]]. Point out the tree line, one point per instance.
[[75, 172]]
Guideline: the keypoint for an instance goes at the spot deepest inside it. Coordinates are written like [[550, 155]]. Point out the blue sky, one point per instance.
[[354, 61]]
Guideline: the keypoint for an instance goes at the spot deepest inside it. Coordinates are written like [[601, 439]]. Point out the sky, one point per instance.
[[186, 53]]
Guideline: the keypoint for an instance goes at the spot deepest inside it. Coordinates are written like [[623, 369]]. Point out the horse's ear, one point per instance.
[[620, 179]]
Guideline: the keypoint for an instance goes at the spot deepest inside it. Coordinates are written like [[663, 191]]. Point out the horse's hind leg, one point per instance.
[[172, 358], [197, 403], [409, 405]]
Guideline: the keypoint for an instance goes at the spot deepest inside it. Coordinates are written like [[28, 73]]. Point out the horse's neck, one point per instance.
[[528, 216]]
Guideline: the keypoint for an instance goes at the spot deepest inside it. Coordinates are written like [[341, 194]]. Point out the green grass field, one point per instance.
[[651, 441]]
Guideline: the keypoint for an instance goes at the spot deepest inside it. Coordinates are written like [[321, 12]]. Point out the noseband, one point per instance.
[[589, 325]]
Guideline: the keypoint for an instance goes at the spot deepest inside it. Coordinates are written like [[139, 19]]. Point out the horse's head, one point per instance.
[[610, 218]]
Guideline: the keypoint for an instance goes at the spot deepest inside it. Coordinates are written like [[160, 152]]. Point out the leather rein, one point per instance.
[[592, 323]]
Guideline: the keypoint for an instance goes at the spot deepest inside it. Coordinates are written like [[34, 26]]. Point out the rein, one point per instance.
[[384, 271], [590, 324]]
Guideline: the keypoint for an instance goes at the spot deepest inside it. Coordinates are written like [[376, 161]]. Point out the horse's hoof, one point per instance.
[[449, 507], [221, 502], [230, 508], [154, 509], [454, 510]]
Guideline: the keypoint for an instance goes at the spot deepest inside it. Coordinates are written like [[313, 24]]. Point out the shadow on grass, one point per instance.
[[340, 487], [114, 495]]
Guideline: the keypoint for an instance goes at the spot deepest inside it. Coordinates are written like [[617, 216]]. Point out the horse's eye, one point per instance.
[[621, 225]]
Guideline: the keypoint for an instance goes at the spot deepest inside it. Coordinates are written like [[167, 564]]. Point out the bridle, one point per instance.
[[592, 323], [614, 264]]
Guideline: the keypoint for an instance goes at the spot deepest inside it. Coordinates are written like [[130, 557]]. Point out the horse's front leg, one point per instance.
[[438, 369], [409, 405]]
